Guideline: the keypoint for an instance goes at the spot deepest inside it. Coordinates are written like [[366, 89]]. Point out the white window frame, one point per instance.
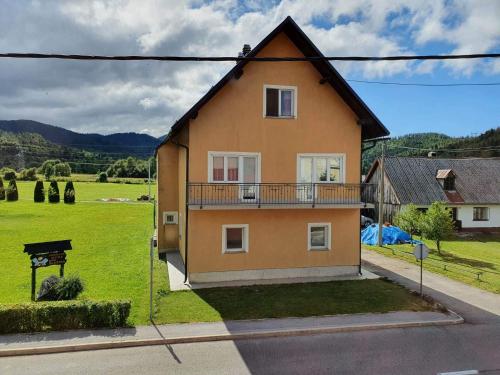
[[487, 213], [244, 249], [240, 156], [280, 87], [335, 155], [328, 237], [170, 213]]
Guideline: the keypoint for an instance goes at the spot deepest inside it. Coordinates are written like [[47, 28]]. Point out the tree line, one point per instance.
[[127, 168]]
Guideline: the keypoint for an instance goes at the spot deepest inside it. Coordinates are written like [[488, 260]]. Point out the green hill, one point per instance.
[[134, 144], [420, 144], [25, 150]]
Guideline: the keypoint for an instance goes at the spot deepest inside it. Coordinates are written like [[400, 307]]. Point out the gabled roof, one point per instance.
[[444, 173], [371, 126], [477, 181]]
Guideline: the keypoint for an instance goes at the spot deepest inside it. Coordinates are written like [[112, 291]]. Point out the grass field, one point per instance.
[[286, 300], [111, 254], [90, 191], [110, 243], [465, 256]]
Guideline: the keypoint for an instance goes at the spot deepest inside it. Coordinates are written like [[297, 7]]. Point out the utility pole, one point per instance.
[[381, 196], [149, 179]]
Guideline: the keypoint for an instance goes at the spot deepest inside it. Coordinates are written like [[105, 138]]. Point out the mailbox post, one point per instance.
[[44, 254]]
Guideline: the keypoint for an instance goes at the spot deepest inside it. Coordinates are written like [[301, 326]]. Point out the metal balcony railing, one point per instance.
[[266, 194]]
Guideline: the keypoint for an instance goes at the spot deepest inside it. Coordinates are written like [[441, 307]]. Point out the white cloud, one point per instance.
[[121, 96]]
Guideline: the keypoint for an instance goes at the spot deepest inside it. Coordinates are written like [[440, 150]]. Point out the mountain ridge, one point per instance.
[[65, 137]]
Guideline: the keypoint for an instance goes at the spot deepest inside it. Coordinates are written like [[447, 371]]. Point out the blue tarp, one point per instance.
[[390, 235]]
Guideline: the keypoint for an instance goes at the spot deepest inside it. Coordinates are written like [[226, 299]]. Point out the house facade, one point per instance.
[[261, 178], [470, 187]]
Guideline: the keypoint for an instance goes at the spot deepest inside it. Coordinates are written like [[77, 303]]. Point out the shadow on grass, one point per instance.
[[309, 299], [475, 263]]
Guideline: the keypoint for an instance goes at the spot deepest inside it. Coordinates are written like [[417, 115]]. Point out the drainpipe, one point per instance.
[[187, 211]]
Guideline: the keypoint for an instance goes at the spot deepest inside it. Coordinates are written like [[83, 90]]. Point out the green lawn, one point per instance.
[[111, 254], [465, 256], [90, 191], [110, 243], [286, 300]]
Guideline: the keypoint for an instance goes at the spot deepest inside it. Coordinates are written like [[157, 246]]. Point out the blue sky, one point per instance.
[[108, 97], [456, 111]]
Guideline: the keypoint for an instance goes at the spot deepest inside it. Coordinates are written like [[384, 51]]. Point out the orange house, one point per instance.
[[260, 179]]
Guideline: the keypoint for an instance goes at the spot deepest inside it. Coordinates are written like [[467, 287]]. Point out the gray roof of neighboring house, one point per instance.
[[414, 180]]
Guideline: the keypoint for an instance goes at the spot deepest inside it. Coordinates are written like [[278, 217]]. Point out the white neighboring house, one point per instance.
[[470, 187]]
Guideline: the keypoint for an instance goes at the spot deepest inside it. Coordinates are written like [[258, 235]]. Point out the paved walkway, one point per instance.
[[228, 330], [175, 267], [477, 297]]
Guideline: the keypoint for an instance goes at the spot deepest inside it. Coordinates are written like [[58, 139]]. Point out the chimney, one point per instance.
[[246, 49]]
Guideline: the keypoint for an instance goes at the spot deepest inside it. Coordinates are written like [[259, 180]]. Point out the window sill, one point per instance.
[[481, 220], [281, 117], [319, 249], [234, 251]]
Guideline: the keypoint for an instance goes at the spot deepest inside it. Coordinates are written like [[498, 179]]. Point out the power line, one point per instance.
[[486, 148], [426, 84], [246, 58]]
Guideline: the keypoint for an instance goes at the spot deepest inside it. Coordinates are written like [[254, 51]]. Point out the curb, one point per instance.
[[457, 319]]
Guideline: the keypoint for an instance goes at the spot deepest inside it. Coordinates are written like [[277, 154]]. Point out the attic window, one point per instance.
[[280, 101], [446, 179]]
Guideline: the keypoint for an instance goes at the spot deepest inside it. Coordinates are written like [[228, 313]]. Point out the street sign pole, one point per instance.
[[421, 252], [151, 268], [421, 271], [33, 283]]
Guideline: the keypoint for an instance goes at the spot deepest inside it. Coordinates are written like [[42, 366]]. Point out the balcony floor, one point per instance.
[[281, 206]]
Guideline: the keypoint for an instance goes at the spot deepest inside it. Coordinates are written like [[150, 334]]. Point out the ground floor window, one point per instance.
[[480, 214], [235, 238], [319, 236]]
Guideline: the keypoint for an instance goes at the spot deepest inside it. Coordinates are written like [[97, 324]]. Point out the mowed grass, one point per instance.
[[465, 256], [110, 243], [111, 254], [285, 300], [90, 191]]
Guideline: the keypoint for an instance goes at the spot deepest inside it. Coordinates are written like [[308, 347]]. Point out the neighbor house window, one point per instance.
[[235, 238], [480, 214], [319, 236], [280, 101], [233, 167], [320, 168]]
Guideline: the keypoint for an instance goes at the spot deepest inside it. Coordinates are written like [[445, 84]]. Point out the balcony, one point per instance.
[[280, 195]]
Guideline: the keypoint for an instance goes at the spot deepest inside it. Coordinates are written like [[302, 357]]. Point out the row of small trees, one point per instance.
[[435, 224], [11, 193], [53, 192]]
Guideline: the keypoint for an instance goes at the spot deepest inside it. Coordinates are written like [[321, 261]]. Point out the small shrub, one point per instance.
[[39, 193], [28, 174], [102, 177], [54, 192], [55, 288], [63, 315], [69, 193], [48, 289], [11, 192], [69, 288], [9, 174], [2, 190]]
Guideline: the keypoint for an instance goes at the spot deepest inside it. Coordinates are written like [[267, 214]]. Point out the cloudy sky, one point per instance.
[[109, 97]]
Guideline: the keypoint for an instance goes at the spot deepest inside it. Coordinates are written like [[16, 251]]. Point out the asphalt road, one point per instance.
[[474, 345], [427, 350]]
